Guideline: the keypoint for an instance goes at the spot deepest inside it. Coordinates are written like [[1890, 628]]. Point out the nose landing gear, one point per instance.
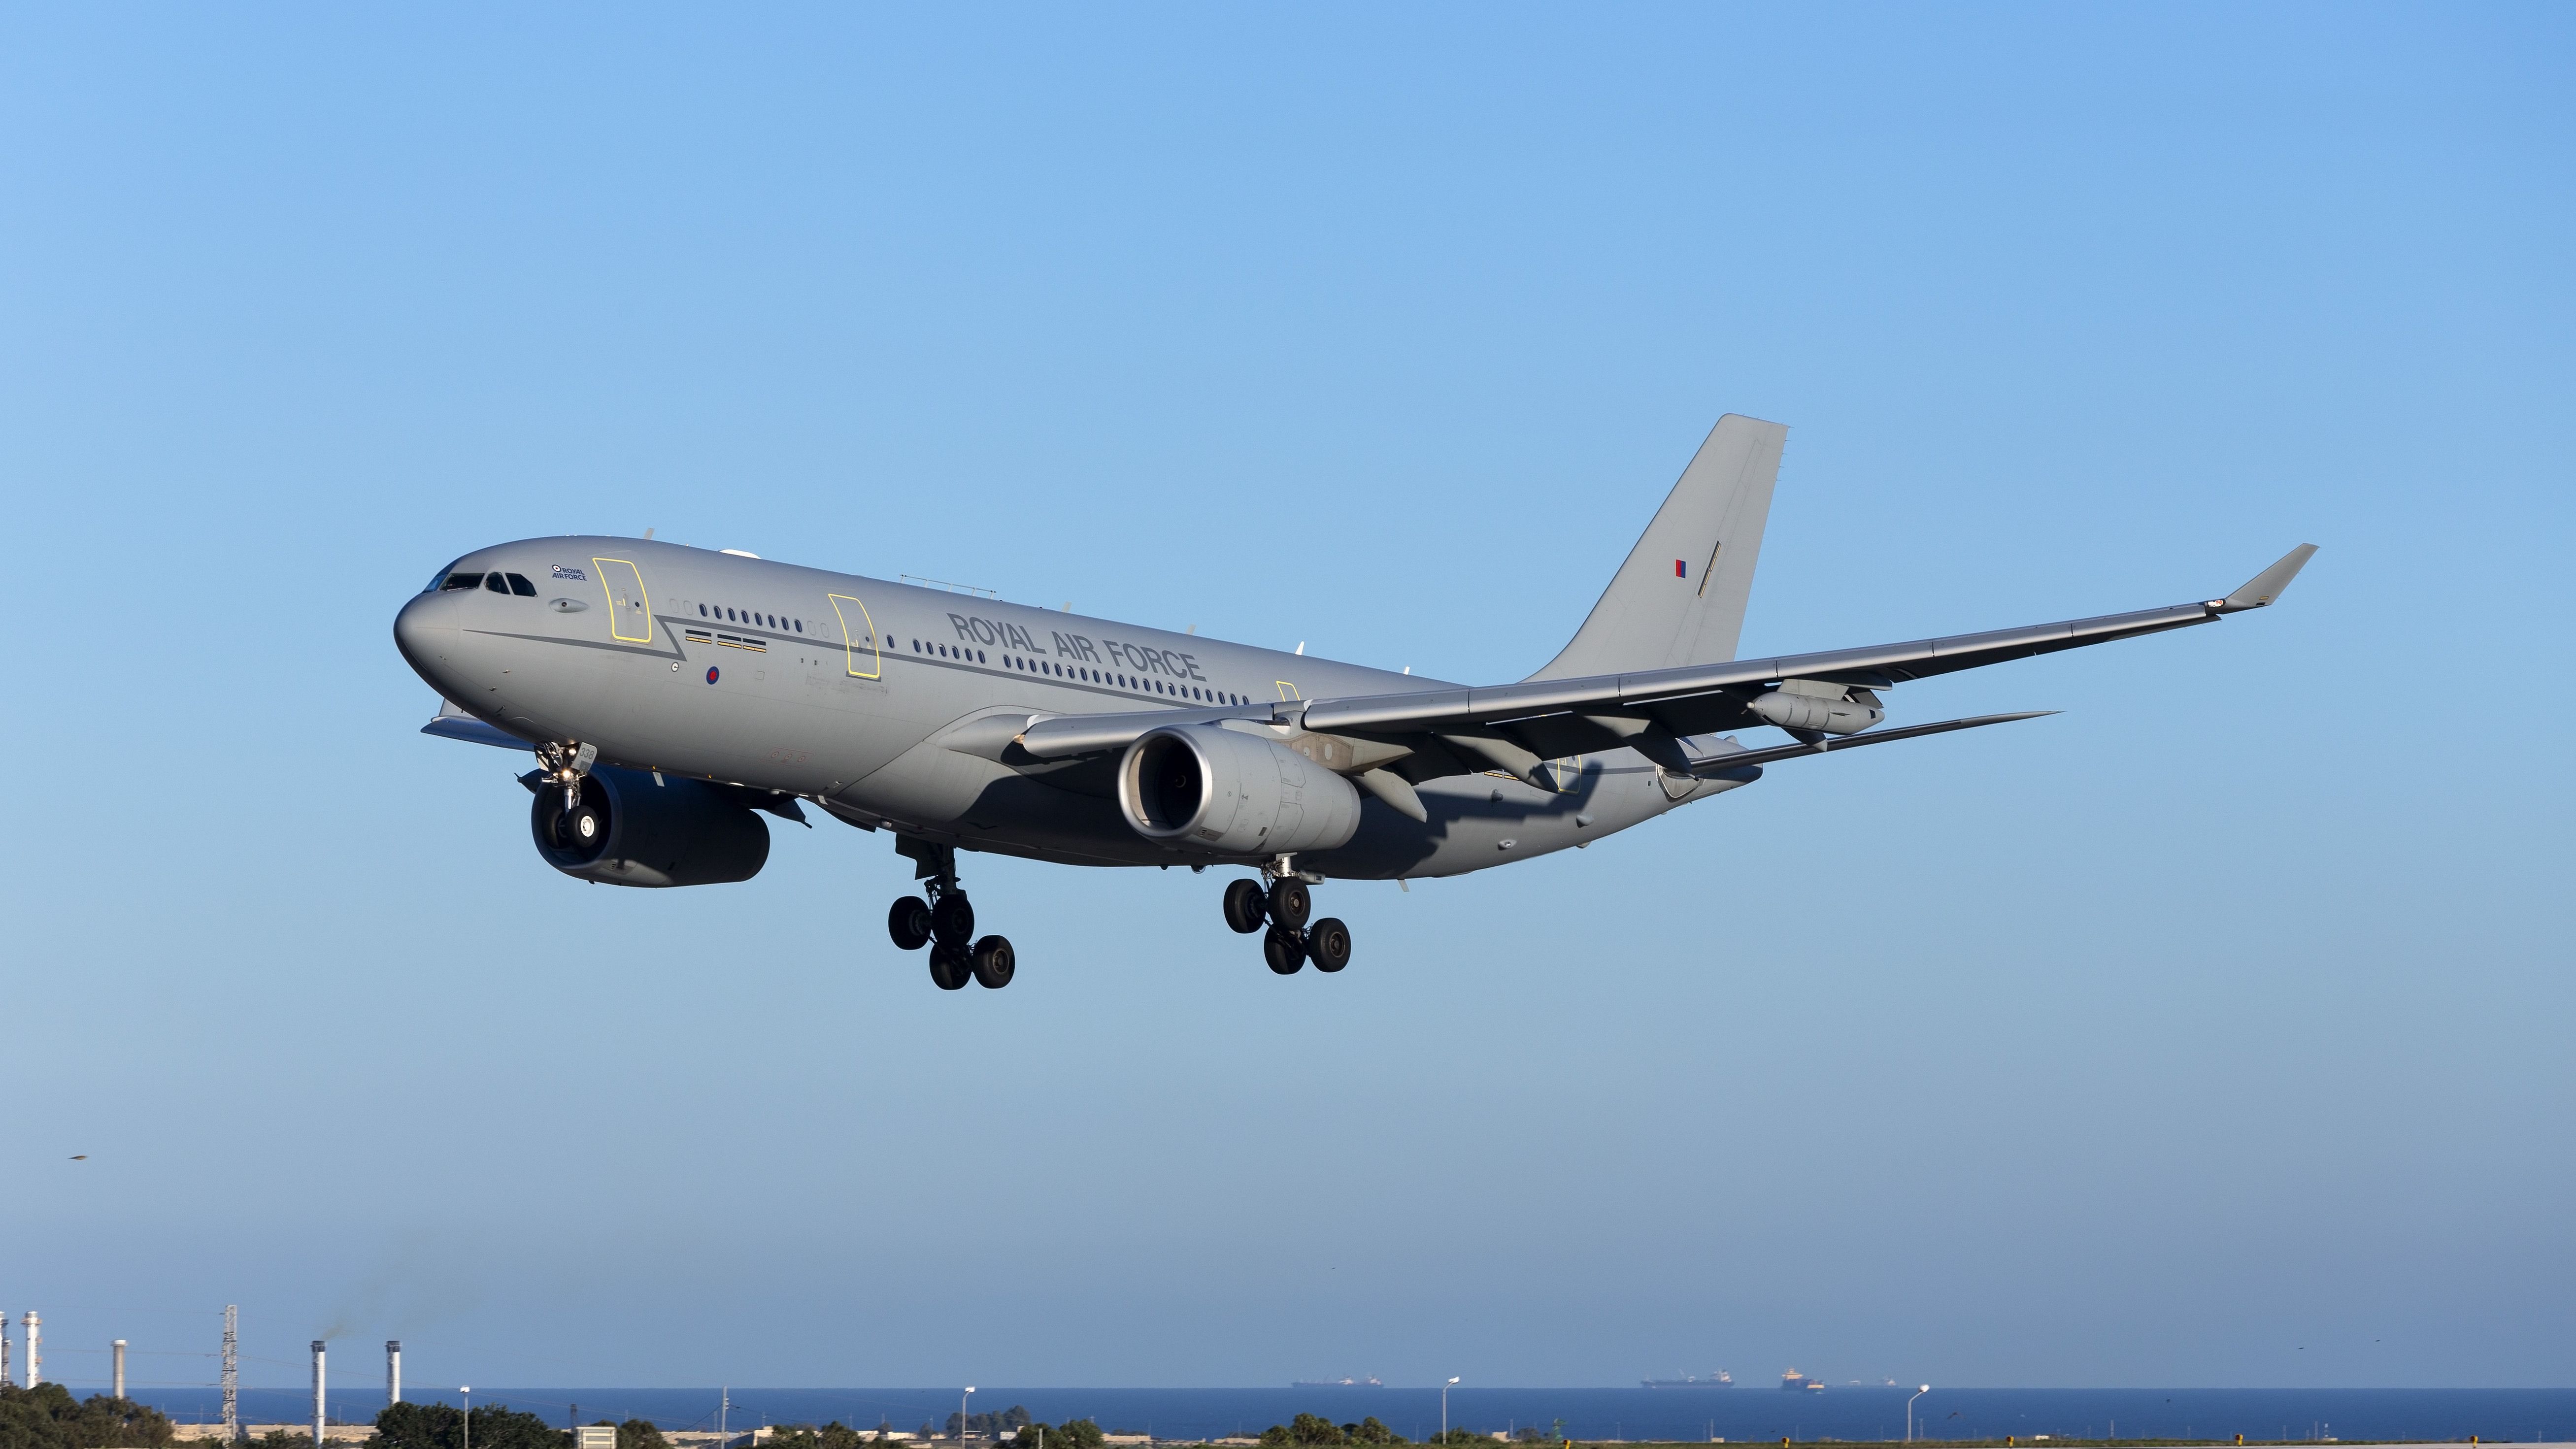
[[946, 924], [580, 826], [1289, 943]]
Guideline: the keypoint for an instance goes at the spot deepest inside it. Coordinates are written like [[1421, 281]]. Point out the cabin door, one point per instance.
[[630, 610], [859, 643]]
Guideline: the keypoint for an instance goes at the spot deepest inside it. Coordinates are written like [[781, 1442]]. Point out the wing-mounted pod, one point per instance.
[[1817, 707], [1209, 790], [657, 831]]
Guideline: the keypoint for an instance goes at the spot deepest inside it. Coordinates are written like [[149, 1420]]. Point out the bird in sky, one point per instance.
[[80, 1157]]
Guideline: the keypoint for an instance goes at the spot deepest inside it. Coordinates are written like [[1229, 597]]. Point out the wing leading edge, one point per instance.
[[1690, 700]]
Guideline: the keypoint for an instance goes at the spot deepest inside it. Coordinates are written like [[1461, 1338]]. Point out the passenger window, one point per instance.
[[520, 586], [702, 611]]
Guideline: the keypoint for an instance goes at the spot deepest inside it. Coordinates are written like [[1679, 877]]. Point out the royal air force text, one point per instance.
[[1141, 658]]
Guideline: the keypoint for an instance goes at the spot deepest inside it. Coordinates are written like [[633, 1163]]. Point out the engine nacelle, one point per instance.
[[676, 833], [1807, 704], [1216, 791]]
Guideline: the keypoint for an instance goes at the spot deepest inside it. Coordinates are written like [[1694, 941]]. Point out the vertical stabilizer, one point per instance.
[[1679, 599]]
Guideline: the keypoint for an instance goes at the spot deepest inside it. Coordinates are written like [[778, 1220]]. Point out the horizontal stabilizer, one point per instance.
[[1720, 764], [2266, 586]]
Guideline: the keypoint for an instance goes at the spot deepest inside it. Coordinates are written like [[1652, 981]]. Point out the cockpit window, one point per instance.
[[496, 583], [473, 580], [520, 586]]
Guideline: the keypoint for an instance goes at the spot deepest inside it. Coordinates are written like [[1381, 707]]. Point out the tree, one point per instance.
[[1370, 1431], [48, 1417], [640, 1434], [1071, 1434], [442, 1426], [995, 1424], [1309, 1429]]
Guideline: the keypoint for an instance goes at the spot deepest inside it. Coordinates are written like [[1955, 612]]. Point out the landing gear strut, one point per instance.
[[946, 923], [1290, 942], [580, 826]]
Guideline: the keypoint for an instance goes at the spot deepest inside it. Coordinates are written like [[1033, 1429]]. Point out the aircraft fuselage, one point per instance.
[[853, 692]]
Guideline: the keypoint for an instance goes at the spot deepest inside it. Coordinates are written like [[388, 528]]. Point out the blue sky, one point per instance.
[[2212, 1032]]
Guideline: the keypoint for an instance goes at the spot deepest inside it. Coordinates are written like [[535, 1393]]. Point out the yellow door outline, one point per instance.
[[1286, 690], [629, 607], [1567, 774], [864, 639]]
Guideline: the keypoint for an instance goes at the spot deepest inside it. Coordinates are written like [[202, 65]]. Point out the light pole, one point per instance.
[[1444, 1409], [1909, 1412], [961, 1412], [467, 1390]]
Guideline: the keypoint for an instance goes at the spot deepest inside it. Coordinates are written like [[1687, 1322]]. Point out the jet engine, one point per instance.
[[1216, 791], [643, 832]]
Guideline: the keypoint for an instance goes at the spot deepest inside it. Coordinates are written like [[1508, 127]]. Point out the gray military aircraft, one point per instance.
[[670, 694]]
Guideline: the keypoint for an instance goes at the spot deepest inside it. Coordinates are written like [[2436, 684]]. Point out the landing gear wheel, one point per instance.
[[1289, 903], [581, 828], [949, 969], [1243, 907], [909, 923], [953, 919], [993, 962], [1284, 950], [1329, 942]]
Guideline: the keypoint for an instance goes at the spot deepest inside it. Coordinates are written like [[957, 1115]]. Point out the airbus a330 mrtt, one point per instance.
[[672, 695]]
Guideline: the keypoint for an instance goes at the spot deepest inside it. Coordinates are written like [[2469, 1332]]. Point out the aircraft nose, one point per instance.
[[425, 632]]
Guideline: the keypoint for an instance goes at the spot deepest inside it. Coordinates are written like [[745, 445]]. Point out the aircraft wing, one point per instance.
[[1513, 726], [1878, 667]]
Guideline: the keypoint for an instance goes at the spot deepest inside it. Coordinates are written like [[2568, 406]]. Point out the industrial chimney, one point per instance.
[[393, 1371], [317, 1394], [119, 1391], [35, 1352]]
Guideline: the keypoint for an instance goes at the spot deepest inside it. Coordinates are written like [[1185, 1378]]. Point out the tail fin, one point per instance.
[[1679, 599]]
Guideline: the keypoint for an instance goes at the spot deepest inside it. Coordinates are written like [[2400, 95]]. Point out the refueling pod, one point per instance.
[[1818, 706], [665, 832], [1214, 791]]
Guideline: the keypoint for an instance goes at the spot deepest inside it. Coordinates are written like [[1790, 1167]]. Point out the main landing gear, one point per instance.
[[946, 924], [1288, 943]]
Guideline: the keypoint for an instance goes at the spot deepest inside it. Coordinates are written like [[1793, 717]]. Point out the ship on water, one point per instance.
[[1794, 1381], [1371, 1382], [1718, 1380]]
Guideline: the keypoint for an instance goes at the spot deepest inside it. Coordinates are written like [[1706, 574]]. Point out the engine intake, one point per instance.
[[1216, 791], [675, 833]]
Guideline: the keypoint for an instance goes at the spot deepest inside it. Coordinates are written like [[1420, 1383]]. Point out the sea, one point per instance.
[[1746, 1412]]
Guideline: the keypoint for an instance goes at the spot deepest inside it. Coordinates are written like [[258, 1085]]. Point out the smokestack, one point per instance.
[[393, 1371], [7, 1373], [318, 1381], [35, 1351], [119, 1391]]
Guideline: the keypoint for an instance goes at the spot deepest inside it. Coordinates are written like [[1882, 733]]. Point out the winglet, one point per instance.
[[2266, 586]]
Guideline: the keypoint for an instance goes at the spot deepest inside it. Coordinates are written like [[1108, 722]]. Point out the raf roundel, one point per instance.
[[712, 671]]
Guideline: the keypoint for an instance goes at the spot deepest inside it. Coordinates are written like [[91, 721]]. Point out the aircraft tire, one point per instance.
[[580, 828], [1328, 941], [1243, 907], [908, 922], [953, 920], [1284, 950], [949, 970], [1289, 903], [994, 962]]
